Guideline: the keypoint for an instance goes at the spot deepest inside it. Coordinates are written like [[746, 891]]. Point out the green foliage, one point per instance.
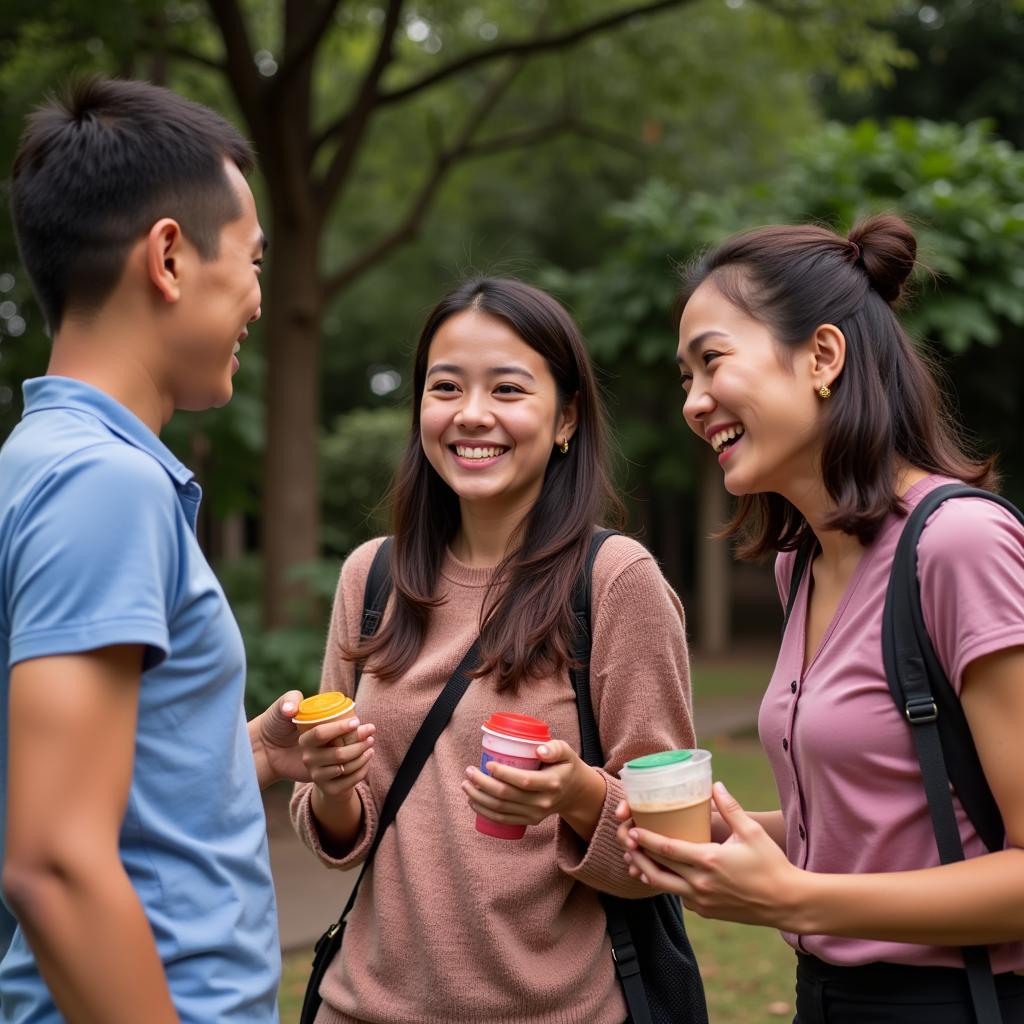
[[962, 189], [358, 458]]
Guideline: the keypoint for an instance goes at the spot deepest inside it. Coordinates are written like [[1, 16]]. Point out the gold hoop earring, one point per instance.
[[824, 391], [564, 446]]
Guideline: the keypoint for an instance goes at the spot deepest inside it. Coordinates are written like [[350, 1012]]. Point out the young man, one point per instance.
[[136, 853]]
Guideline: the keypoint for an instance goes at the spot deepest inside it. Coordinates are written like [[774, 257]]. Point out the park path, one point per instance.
[[309, 898]]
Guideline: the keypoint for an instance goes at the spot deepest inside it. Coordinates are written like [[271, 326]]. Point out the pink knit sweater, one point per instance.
[[455, 926]]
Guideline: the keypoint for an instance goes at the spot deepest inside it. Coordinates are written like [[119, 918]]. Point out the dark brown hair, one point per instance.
[[526, 622], [886, 407], [96, 168]]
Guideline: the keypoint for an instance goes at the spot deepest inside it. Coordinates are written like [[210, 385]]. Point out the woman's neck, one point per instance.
[[816, 506], [485, 534]]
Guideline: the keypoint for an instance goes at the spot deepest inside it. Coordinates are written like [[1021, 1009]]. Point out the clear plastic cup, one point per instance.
[[670, 793], [513, 740], [323, 707]]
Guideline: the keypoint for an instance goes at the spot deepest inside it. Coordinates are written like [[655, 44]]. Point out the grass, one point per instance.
[[748, 972]]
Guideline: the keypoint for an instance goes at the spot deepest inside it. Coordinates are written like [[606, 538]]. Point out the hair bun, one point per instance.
[[888, 250]]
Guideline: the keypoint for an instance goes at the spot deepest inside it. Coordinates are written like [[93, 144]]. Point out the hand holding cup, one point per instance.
[[336, 747]]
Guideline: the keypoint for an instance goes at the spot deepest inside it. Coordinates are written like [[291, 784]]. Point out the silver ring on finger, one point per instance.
[[341, 769]]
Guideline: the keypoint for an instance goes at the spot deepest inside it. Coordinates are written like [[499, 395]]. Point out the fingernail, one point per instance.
[[543, 751], [287, 706], [643, 878], [633, 834], [469, 773]]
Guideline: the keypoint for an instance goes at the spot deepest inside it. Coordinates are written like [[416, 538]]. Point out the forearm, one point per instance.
[[338, 819], [774, 824], [584, 811], [93, 944], [265, 774], [973, 902], [771, 821]]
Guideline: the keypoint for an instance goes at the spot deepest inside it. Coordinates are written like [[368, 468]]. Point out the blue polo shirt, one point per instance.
[[98, 547]]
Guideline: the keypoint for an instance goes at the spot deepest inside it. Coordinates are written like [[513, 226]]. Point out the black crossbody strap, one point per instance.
[[623, 951], [423, 742], [941, 733]]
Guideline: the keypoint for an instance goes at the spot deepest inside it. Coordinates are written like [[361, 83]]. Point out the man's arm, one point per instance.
[[72, 744], [275, 742]]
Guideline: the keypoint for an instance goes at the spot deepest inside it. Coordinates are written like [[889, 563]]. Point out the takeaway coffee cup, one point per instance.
[[513, 740], [323, 707], [670, 793]]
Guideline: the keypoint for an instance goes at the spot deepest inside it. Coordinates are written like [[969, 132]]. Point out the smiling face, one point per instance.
[[219, 298], [490, 414], [744, 396]]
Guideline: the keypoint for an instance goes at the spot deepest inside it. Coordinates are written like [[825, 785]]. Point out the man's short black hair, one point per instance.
[[97, 167]]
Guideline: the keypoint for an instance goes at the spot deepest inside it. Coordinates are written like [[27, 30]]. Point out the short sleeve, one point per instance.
[[92, 557], [971, 574]]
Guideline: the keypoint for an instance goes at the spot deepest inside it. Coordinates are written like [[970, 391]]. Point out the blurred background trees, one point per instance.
[[404, 145]]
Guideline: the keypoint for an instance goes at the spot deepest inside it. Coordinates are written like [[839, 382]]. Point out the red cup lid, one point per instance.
[[520, 727]]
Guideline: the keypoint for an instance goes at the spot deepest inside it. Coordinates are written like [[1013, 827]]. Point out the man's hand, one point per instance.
[[275, 742]]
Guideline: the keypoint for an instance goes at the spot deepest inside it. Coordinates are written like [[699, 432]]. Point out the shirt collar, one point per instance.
[[52, 392]]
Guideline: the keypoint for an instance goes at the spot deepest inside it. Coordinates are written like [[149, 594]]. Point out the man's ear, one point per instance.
[[165, 246], [828, 352]]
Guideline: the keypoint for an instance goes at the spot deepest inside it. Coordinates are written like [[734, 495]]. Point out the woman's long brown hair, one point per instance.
[[886, 408], [526, 622]]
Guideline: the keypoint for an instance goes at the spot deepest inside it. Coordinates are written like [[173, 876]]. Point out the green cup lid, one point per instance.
[[660, 760]]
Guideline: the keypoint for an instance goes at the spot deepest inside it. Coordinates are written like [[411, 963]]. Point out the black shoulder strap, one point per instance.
[[803, 556], [623, 951], [941, 733], [916, 678], [378, 587], [375, 597]]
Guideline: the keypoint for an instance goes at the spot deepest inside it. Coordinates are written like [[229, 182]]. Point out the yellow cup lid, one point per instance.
[[323, 705]]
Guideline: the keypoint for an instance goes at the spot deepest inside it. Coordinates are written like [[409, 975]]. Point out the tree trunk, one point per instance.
[[291, 485], [714, 563]]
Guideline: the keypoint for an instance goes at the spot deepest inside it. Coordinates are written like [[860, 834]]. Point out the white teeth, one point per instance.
[[238, 345], [719, 439], [465, 452]]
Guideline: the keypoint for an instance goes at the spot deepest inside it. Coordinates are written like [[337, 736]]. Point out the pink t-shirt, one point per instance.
[[842, 754]]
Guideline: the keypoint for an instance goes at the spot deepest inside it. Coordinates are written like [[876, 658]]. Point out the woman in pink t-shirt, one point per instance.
[[829, 428]]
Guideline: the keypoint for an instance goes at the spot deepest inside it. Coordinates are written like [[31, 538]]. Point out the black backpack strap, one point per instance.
[[941, 733], [375, 597], [803, 556], [627, 965]]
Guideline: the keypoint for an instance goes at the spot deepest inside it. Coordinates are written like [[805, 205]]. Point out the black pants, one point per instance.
[[894, 994]]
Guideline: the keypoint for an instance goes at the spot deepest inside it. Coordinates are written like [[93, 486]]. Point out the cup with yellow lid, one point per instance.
[[323, 707]]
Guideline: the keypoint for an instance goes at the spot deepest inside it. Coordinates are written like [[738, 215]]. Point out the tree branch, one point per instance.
[[528, 47], [417, 210], [303, 48], [357, 118], [183, 53], [567, 124], [239, 67]]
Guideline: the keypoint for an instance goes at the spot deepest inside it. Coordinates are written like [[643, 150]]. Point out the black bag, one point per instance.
[[653, 958], [942, 735]]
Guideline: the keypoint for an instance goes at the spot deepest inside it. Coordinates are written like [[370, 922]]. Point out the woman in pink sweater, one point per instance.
[[494, 506], [830, 429]]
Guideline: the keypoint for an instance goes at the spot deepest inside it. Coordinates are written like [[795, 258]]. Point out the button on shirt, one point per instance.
[[97, 547], [841, 752]]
